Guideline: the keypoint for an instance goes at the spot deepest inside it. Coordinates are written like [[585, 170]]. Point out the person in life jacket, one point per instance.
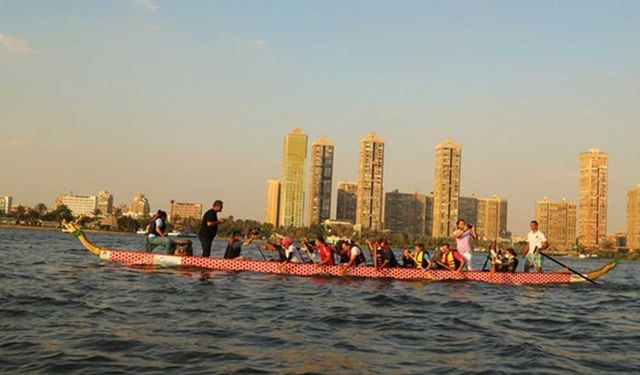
[[157, 234], [354, 253], [291, 252], [324, 251], [509, 262], [418, 259], [451, 259], [235, 245]]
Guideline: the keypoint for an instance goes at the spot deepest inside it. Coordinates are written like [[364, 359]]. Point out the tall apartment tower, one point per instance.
[[446, 189], [633, 219], [292, 182], [593, 198], [347, 201], [105, 202], [321, 181], [491, 221], [370, 182], [272, 209], [558, 222]]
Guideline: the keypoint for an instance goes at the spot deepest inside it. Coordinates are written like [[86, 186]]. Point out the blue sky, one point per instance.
[[190, 100]]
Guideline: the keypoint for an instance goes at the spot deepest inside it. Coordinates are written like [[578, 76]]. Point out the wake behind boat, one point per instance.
[[137, 258]]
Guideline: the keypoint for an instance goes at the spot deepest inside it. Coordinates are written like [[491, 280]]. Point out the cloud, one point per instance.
[[146, 5], [15, 45]]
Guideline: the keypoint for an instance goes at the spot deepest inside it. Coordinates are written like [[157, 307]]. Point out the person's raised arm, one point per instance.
[[249, 240], [474, 235], [458, 233]]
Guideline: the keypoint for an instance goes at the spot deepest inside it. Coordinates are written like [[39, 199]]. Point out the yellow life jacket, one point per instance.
[[450, 260], [418, 258]]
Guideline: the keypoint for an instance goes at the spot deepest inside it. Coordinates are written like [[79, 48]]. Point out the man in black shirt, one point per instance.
[[209, 227]]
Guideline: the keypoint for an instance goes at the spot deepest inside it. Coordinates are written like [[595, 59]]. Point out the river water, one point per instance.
[[62, 310]]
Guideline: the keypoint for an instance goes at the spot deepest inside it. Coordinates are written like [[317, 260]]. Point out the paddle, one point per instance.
[[261, 253], [567, 267], [484, 266]]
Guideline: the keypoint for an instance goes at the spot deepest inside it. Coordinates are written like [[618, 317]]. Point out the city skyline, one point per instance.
[[84, 110]]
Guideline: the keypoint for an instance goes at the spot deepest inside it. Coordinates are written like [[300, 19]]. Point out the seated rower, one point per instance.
[[418, 259], [510, 261], [235, 245], [436, 260], [385, 258], [451, 259], [276, 248], [496, 257], [292, 253], [157, 234], [356, 256], [324, 251]]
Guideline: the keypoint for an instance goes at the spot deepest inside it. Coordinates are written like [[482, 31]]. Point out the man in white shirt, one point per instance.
[[536, 242]]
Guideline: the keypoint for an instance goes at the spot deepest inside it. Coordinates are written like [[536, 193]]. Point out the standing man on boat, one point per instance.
[[465, 235], [536, 242], [209, 227]]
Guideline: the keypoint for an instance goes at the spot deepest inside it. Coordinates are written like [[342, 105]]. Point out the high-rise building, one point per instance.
[[407, 213], [79, 205], [491, 222], [292, 182], [370, 182], [593, 198], [468, 210], [321, 180], [446, 190], [6, 203], [181, 211], [558, 222], [105, 203], [272, 209], [633, 219], [139, 206], [347, 201]]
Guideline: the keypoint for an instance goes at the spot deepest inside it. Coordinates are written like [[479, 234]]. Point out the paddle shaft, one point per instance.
[[567, 267], [484, 266]]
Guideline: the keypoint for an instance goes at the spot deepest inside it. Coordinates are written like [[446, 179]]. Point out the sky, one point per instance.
[[190, 100]]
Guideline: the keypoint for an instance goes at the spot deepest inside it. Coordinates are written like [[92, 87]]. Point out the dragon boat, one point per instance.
[[139, 258]]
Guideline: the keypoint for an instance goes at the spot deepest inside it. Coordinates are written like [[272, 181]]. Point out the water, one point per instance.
[[64, 311]]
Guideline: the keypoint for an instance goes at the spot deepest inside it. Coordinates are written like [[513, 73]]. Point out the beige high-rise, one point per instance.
[[593, 198], [272, 209], [105, 203], [370, 182], [292, 182], [446, 189], [321, 180], [491, 217], [633, 219], [557, 221]]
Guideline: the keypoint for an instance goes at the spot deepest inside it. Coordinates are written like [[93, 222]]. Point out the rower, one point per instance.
[[325, 252], [235, 245], [436, 260], [356, 256], [292, 253], [418, 259], [509, 262], [452, 259], [158, 234], [384, 255]]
